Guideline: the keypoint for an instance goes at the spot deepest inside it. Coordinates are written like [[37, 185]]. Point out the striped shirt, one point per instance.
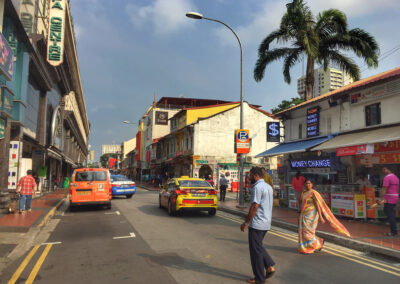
[[27, 184]]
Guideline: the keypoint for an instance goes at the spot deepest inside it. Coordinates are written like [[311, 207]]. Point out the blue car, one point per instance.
[[121, 185]]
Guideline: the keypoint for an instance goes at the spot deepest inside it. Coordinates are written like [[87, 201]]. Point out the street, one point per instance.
[[136, 242]]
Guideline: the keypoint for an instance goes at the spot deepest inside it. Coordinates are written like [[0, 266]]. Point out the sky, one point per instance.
[[130, 50]]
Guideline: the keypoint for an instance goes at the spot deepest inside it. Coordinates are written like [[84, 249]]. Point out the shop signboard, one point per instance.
[[359, 206], [2, 128], [371, 94], [342, 204], [161, 118], [273, 132], [378, 159], [391, 146], [313, 122], [310, 163], [56, 34], [355, 150], [370, 199], [242, 141], [6, 98], [6, 58]]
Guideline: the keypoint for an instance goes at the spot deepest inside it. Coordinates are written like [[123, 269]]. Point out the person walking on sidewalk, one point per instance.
[[223, 184], [267, 178], [390, 192], [258, 222], [314, 208], [297, 184], [26, 187]]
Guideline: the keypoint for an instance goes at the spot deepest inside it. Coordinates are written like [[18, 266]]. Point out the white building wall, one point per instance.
[[214, 137]]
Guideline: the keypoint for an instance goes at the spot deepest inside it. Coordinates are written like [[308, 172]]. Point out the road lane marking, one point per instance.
[[50, 214], [111, 213], [117, 212], [331, 251], [22, 266], [52, 243], [131, 235], [38, 264]]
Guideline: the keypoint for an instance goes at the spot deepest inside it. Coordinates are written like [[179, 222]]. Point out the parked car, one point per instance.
[[121, 185], [187, 194], [90, 186]]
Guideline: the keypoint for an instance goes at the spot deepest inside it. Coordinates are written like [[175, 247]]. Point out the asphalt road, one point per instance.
[[136, 242]]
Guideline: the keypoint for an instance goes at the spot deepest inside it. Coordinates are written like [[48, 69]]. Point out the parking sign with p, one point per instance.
[[242, 141]]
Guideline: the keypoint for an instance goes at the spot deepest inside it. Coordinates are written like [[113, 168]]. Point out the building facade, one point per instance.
[[110, 149], [324, 81]]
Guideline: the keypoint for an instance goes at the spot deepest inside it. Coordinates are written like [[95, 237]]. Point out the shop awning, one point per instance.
[[294, 147], [364, 137]]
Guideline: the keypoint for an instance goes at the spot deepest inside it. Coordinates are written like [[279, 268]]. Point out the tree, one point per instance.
[[287, 104], [319, 40], [104, 159]]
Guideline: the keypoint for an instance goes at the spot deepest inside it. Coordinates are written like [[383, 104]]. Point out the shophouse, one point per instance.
[[155, 123], [201, 141], [48, 128], [338, 137]]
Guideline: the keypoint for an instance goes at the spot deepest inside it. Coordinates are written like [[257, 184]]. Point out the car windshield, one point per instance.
[[119, 178], [193, 183], [91, 176]]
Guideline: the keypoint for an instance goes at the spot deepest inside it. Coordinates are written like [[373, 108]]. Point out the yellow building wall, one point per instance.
[[193, 115]]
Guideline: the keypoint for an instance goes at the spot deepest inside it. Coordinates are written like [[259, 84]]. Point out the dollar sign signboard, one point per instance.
[[273, 132]]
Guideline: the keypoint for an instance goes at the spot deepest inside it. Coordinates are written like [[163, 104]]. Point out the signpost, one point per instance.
[[55, 36], [242, 139]]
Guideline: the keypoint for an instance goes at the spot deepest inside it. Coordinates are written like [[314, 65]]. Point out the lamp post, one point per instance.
[[198, 16]]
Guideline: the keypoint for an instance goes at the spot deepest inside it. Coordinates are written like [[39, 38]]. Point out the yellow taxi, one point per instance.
[[185, 194]]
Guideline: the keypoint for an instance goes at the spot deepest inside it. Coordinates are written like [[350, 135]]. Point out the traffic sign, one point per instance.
[[242, 139]]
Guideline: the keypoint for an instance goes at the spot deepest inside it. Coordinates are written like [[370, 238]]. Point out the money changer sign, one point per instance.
[[55, 37], [273, 132]]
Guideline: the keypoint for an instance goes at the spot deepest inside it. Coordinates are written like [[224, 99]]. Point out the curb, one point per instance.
[[51, 212], [339, 240]]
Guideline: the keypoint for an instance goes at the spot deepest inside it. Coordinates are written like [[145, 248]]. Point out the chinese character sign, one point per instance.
[[55, 36]]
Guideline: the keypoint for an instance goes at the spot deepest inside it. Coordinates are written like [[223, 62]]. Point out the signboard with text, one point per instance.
[[310, 163], [161, 118], [242, 141], [55, 36], [312, 122], [6, 58], [355, 150], [273, 132]]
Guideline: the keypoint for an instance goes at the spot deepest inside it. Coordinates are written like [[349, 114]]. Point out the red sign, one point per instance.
[[242, 139], [355, 150], [387, 147], [375, 159]]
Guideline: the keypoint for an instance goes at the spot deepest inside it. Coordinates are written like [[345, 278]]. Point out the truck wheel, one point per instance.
[[212, 212], [171, 211]]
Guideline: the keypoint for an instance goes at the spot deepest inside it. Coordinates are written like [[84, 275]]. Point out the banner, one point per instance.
[[55, 35], [355, 150], [6, 58]]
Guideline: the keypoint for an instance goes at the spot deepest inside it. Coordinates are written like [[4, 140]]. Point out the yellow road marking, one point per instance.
[[38, 264], [50, 214], [22, 266], [331, 251]]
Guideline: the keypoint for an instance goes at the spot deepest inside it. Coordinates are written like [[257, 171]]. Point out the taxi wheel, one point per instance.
[[159, 202], [129, 196], [171, 211], [212, 212], [109, 205]]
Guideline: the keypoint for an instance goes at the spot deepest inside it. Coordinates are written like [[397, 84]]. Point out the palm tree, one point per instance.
[[319, 40]]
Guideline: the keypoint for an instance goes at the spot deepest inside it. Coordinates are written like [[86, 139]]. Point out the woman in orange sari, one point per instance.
[[313, 208]]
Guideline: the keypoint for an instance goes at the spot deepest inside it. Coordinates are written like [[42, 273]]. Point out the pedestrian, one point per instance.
[[314, 208], [258, 222], [210, 180], [267, 178], [297, 184], [26, 187], [390, 193], [223, 184]]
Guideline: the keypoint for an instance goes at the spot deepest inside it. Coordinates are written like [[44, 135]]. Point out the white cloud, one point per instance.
[[166, 16]]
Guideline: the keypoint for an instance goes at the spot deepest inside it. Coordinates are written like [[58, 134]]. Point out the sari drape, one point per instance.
[[308, 222]]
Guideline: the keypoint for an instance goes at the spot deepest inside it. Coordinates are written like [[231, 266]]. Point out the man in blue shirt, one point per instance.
[[259, 222]]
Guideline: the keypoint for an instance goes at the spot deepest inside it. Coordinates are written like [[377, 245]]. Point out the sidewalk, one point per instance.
[[366, 235], [41, 206]]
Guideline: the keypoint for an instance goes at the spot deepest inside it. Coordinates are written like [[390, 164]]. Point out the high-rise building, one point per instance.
[[324, 81], [113, 149]]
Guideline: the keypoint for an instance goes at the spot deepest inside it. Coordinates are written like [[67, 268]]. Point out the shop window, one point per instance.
[[300, 131], [373, 114]]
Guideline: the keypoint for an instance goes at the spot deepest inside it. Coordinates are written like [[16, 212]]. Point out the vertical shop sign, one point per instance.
[[27, 10], [6, 58], [55, 36], [2, 128], [312, 122], [273, 132]]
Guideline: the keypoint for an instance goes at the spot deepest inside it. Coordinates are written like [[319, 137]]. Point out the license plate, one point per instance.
[[100, 187], [83, 192], [125, 185], [199, 194]]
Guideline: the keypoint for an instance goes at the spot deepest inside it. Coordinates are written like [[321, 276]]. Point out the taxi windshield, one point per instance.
[[193, 183], [91, 176]]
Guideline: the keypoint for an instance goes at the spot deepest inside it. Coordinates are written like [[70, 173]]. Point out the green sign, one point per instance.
[[202, 162], [2, 128], [55, 40]]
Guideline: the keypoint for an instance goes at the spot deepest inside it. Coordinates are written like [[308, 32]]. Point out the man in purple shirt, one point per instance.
[[390, 192]]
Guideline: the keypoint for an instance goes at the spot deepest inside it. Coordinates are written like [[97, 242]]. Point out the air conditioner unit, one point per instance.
[[249, 159], [264, 160]]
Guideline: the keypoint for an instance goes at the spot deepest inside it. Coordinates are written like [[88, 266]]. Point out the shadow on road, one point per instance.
[[177, 262]]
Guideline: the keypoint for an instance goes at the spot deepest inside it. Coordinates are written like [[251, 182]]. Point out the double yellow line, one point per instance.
[[339, 253], [26, 261]]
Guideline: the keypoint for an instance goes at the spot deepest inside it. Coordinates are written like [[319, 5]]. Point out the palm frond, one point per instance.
[[346, 64], [290, 60], [331, 21], [278, 35], [268, 57]]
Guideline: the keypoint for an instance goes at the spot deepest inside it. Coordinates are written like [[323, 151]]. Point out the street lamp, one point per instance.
[[198, 16]]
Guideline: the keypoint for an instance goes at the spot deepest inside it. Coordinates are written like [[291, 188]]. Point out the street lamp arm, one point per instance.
[[226, 25]]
